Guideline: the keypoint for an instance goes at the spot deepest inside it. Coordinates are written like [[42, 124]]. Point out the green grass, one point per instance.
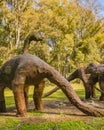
[[67, 125], [79, 89], [72, 125], [12, 123], [16, 124], [8, 123], [57, 95]]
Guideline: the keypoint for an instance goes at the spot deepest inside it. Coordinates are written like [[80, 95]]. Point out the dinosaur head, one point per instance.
[[91, 68]]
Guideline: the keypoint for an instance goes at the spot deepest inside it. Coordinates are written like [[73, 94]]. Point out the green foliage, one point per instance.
[[71, 38]]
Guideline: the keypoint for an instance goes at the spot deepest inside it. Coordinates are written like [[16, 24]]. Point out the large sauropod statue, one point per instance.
[[26, 69]]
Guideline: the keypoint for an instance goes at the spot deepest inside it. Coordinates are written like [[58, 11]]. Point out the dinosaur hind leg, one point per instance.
[[37, 96], [2, 100]]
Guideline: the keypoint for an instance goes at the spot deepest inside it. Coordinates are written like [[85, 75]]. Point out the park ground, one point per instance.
[[58, 113]]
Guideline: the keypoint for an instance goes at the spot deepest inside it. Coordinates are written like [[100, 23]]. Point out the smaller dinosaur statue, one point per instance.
[[89, 82], [94, 69]]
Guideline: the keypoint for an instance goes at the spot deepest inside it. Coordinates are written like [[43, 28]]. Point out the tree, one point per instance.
[[14, 20], [71, 31], [71, 36]]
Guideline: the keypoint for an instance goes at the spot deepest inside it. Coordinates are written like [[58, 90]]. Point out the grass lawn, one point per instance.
[[57, 95], [16, 124], [12, 123]]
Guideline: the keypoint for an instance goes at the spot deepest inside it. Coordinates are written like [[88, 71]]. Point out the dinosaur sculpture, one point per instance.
[[33, 36], [89, 82], [26, 69], [97, 70]]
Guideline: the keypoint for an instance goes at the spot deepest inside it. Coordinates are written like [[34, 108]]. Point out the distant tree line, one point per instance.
[[72, 31]]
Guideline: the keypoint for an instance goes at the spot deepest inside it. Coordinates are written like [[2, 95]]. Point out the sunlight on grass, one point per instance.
[[57, 95], [37, 113], [9, 123], [17, 124], [9, 97], [66, 125], [78, 87]]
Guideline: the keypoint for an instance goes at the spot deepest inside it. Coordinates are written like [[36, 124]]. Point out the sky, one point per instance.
[[102, 3]]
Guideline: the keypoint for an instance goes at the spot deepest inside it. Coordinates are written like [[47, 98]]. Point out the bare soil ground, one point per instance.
[[55, 110]]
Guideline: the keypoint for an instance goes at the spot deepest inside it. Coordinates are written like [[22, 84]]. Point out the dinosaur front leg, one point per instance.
[[18, 90], [37, 96], [19, 100], [2, 100], [93, 91], [90, 91], [87, 92], [101, 84]]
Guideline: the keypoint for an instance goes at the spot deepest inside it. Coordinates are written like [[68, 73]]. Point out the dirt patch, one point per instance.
[[55, 110]]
